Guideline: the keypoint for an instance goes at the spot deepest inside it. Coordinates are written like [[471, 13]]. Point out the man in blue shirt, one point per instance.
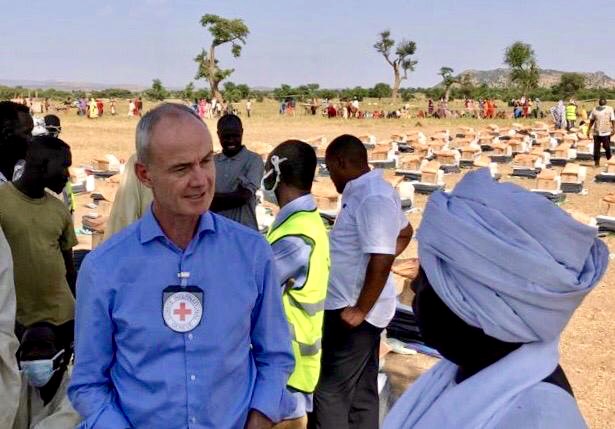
[[179, 317]]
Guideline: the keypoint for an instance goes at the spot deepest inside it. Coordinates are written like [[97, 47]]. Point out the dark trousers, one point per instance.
[[347, 394], [605, 141], [569, 124]]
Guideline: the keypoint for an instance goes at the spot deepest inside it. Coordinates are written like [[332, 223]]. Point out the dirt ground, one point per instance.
[[588, 343]]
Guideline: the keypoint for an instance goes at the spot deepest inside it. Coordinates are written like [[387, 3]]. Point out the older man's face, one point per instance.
[[181, 170]]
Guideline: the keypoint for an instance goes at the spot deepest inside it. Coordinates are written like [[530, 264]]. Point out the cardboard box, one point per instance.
[[429, 172], [547, 179], [570, 173], [607, 205], [410, 162]]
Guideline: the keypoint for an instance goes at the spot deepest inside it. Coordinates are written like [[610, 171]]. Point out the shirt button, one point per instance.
[[193, 377], [190, 336]]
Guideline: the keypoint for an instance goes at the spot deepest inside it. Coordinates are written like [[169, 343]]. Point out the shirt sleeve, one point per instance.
[[68, 239], [379, 222], [270, 336], [252, 178], [91, 391], [292, 258]]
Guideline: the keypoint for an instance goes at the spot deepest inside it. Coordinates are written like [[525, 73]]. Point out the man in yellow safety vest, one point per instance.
[[301, 248]]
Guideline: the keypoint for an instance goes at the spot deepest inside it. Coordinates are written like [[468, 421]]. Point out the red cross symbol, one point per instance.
[[182, 311]]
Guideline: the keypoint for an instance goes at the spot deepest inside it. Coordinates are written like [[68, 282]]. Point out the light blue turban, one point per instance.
[[506, 260]]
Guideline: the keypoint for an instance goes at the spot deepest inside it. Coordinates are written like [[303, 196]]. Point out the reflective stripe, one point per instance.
[[310, 349], [306, 349], [310, 309]]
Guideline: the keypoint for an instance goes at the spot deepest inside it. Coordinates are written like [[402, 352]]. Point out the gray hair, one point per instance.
[[150, 119]]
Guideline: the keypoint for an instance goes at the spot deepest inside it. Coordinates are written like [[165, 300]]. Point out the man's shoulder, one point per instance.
[[235, 230], [117, 245]]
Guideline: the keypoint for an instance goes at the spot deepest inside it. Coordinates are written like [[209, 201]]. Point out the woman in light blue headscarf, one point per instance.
[[502, 272]]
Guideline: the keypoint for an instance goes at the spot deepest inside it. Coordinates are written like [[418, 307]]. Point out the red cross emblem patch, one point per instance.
[[182, 311]]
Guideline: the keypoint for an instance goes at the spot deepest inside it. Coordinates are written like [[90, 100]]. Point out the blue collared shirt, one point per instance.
[[131, 370]]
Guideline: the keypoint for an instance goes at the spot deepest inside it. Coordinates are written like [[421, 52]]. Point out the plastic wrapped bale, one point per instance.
[[469, 154], [525, 165], [608, 174], [548, 180], [561, 154], [585, 150], [409, 166], [502, 153], [518, 145], [573, 178], [449, 160], [421, 150]]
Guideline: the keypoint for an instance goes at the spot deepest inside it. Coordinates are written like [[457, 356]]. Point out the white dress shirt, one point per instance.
[[368, 223]]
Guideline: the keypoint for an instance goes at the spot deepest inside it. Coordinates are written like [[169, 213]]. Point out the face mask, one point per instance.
[[269, 194], [39, 372]]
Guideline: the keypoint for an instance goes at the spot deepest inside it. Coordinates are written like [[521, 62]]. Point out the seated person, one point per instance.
[[502, 272], [44, 358]]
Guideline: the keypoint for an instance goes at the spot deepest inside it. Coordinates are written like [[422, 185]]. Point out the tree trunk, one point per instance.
[[213, 69], [447, 93], [396, 83]]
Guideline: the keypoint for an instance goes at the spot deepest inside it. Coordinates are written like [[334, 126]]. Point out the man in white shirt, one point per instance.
[[370, 231], [602, 118]]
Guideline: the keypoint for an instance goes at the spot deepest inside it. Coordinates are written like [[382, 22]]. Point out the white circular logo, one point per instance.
[[182, 311]]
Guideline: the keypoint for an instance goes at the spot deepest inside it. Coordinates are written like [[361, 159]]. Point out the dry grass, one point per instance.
[[588, 343]]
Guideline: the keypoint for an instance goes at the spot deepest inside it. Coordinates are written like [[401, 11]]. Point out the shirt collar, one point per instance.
[[375, 173], [149, 228], [303, 203], [237, 155]]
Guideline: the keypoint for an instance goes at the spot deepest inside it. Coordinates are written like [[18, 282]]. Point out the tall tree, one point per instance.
[[447, 80], [222, 30], [524, 71], [570, 84], [400, 61]]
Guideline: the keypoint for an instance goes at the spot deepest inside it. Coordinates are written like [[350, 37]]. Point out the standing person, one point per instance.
[[602, 119], [139, 106], [44, 294], [16, 126], [238, 174], [201, 108], [44, 359], [430, 107], [93, 109], [9, 371], [370, 231], [219, 335], [131, 108], [301, 250], [502, 270], [559, 111], [112, 107], [571, 114], [101, 107], [249, 107]]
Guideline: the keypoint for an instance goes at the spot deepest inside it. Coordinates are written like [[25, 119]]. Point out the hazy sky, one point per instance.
[[295, 42]]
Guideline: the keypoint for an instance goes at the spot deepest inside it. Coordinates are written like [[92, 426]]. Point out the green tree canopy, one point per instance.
[[157, 92], [570, 84], [400, 61], [524, 71], [223, 31]]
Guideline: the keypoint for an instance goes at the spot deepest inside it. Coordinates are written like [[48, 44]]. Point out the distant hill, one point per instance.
[[69, 86], [498, 78]]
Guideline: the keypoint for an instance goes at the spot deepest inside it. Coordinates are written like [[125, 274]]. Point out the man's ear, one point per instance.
[[143, 174]]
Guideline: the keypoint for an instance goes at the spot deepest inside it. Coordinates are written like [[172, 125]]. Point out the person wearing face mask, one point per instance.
[[301, 251], [43, 359], [16, 126], [502, 272], [40, 231], [238, 174]]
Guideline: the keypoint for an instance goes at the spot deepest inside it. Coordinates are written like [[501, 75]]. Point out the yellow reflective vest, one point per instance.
[[304, 307], [571, 112]]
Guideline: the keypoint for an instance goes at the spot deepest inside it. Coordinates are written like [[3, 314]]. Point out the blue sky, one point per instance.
[[293, 41]]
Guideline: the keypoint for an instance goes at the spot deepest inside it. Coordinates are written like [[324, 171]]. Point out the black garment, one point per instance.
[[347, 394], [570, 124], [605, 141]]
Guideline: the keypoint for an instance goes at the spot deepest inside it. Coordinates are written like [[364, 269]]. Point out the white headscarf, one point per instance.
[[513, 264]]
